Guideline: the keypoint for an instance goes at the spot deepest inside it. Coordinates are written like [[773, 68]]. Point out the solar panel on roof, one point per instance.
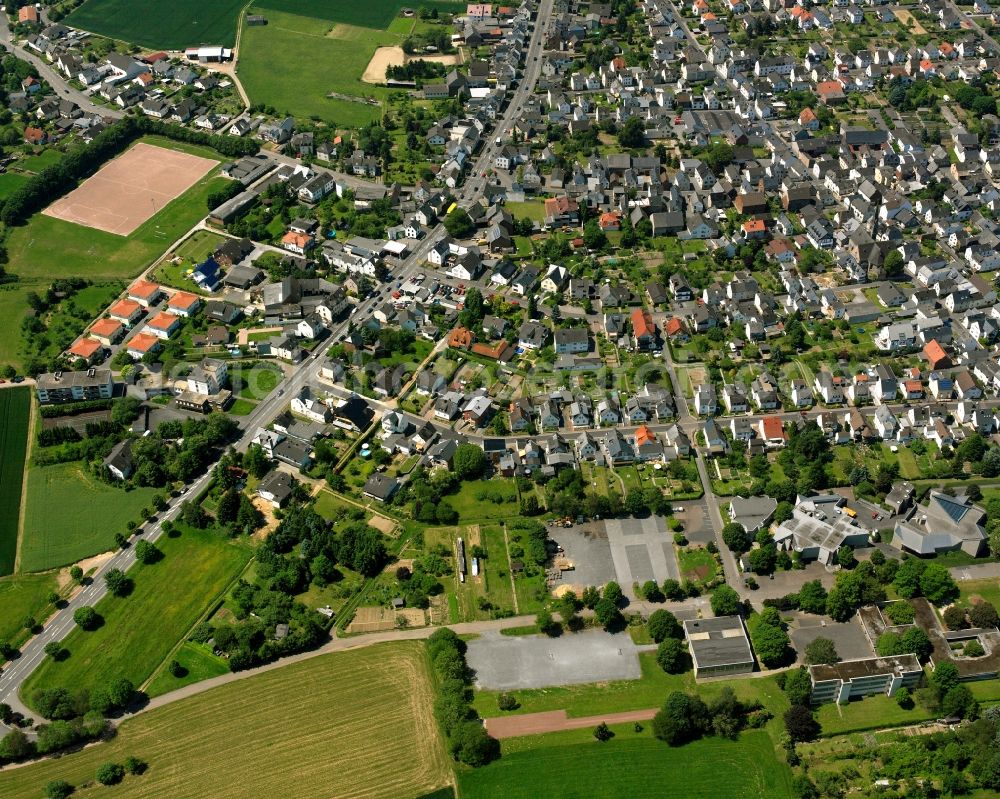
[[955, 510]]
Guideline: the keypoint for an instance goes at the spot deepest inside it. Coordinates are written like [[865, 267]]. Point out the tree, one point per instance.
[[76, 574], [907, 579], [944, 677], [228, 507], [771, 643], [255, 461], [736, 537], [682, 718], [593, 237], [954, 617], [146, 552], [87, 618], [904, 698], [725, 601], [472, 745], [58, 789], [821, 651], [959, 701], [812, 597], [55, 650], [469, 462], [118, 582], [671, 657], [798, 686], [110, 773], [663, 624], [613, 592], [937, 584], [603, 733], [633, 133], [983, 614], [845, 557], [507, 702], [459, 224], [800, 724], [15, 745], [546, 624], [608, 615]]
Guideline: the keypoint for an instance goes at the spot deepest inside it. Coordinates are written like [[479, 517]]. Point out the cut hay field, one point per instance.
[[630, 766], [347, 725], [158, 25], [140, 630], [15, 410], [70, 515]]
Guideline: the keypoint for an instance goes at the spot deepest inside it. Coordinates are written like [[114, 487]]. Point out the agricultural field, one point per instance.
[[352, 724], [15, 410], [196, 568], [373, 14], [629, 766], [21, 596], [171, 26], [71, 515]]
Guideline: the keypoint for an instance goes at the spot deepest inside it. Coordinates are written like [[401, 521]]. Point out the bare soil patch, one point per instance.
[[385, 57], [374, 620], [130, 189], [383, 524], [557, 721], [909, 22]]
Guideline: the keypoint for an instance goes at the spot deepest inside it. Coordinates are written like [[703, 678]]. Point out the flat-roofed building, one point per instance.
[[719, 646], [852, 679], [57, 387]]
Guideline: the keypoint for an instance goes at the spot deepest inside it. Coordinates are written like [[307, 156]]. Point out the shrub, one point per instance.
[[58, 789], [900, 612], [110, 773]]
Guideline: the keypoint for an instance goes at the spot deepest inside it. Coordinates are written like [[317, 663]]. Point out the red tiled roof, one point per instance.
[[163, 321], [106, 327], [85, 348], [143, 342], [143, 289]]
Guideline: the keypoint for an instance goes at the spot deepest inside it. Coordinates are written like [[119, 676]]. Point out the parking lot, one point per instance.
[[624, 550], [505, 663]]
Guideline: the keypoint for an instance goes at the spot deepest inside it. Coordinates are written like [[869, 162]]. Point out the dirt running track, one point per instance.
[[557, 721]]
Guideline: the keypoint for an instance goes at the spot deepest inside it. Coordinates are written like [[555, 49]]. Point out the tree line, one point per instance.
[[81, 162]]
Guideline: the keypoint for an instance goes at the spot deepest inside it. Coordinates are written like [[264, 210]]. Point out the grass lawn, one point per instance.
[[256, 382], [631, 765], [20, 596], [70, 515], [351, 724], [47, 248], [485, 500], [303, 51], [988, 590], [533, 210], [15, 410], [36, 163], [200, 245], [199, 662], [696, 564], [140, 630], [241, 407], [10, 181], [172, 26], [13, 308]]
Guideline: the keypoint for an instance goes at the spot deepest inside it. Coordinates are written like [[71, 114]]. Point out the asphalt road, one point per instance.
[[53, 76], [61, 624]]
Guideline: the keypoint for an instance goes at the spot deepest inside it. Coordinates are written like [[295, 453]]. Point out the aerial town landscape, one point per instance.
[[455, 400]]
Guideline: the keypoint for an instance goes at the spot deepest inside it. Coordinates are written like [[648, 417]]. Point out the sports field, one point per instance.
[[140, 630], [349, 725], [48, 248], [15, 409], [630, 766], [71, 515], [171, 26], [131, 188]]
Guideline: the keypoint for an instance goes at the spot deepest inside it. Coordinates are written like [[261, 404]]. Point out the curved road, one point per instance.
[[61, 623], [55, 78]]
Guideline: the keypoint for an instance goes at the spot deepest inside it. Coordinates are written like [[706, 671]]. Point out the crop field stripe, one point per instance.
[[15, 407], [351, 724], [156, 24]]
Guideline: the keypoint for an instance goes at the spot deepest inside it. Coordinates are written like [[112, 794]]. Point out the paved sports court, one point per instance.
[[509, 662]]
